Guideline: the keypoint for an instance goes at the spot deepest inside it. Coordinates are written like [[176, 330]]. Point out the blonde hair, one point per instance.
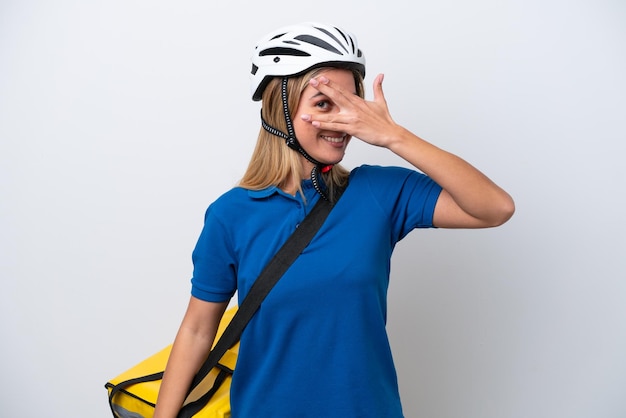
[[273, 163]]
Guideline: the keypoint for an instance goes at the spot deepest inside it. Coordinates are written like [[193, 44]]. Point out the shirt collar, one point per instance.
[[307, 187], [263, 193]]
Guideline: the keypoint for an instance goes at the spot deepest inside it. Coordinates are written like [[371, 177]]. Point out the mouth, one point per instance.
[[334, 139]]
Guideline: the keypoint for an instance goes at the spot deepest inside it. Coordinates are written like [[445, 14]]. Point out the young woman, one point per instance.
[[318, 346]]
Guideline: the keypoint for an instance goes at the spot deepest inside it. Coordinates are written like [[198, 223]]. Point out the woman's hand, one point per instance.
[[369, 121]]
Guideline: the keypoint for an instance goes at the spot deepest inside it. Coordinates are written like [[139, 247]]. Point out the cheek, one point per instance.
[[302, 128]]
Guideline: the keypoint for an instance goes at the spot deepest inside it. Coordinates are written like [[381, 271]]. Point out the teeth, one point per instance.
[[333, 139]]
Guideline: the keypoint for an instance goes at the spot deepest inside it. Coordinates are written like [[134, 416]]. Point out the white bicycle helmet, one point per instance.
[[295, 49]]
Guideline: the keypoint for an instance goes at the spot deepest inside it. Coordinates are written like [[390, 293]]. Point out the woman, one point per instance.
[[318, 347]]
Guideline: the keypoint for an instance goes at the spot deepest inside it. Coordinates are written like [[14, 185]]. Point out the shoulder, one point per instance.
[[240, 206], [385, 176], [232, 196], [232, 204], [228, 199], [390, 185], [379, 170], [407, 197]]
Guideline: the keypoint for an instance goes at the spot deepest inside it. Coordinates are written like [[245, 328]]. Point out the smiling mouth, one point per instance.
[[334, 139]]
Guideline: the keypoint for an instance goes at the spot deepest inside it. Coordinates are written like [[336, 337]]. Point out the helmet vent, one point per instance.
[[284, 51], [348, 39], [335, 38], [318, 42]]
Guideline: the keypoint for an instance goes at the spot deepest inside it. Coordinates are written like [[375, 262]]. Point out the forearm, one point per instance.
[[185, 359], [473, 192], [191, 347]]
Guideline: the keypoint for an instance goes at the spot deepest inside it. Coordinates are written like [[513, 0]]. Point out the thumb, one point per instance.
[[378, 88]]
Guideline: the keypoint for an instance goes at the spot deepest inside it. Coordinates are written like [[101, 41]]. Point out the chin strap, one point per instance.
[[293, 143]]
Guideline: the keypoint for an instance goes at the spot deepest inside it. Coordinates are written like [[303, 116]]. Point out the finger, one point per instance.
[[378, 88], [317, 122], [327, 87]]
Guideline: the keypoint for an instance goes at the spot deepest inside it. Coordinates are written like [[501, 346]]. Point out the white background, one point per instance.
[[120, 121]]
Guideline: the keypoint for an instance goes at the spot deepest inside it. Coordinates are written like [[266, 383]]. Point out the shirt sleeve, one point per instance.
[[214, 264], [407, 196]]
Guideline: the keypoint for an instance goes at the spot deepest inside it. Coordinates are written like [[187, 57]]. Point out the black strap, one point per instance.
[[270, 275], [194, 407], [121, 385]]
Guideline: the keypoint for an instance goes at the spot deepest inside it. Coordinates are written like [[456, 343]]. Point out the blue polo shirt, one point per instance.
[[318, 346]]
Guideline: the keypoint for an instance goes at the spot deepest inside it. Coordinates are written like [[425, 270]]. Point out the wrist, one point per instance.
[[401, 139]]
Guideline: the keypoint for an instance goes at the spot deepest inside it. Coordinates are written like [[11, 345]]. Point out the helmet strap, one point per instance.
[[293, 143]]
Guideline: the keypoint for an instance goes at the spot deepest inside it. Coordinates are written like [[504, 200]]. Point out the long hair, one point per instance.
[[273, 163]]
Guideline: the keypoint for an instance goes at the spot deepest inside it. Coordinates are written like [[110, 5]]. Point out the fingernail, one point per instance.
[[313, 82], [323, 80], [305, 117]]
